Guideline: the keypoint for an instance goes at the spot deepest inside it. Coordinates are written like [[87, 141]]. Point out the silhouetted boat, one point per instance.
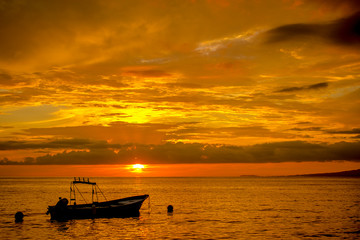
[[124, 207]]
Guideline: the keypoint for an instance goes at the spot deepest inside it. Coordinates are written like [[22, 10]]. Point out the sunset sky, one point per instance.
[[187, 87]]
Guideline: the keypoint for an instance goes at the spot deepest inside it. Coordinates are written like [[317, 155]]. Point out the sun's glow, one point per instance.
[[137, 168]]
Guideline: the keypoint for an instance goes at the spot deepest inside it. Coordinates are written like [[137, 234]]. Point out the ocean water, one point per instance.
[[204, 208]]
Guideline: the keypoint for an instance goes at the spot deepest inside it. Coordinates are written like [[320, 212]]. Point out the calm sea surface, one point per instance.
[[204, 208]]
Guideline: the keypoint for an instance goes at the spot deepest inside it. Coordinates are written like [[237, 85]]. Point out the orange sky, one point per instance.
[[178, 170], [249, 83]]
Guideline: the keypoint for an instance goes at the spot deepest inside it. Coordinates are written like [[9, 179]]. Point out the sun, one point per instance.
[[138, 168]]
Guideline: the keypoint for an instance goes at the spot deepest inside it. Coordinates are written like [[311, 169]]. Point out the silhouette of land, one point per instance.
[[352, 174], [349, 174]]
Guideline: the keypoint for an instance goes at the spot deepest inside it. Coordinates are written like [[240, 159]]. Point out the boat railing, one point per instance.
[[94, 191], [83, 181]]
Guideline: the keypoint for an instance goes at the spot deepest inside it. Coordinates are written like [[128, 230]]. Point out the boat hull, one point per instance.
[[125, 207]]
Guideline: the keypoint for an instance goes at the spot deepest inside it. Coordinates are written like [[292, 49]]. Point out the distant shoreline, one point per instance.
[[347, 174], [350, 174]]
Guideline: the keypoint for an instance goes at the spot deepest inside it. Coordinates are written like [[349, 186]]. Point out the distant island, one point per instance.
[[349, 174], [352, 174]]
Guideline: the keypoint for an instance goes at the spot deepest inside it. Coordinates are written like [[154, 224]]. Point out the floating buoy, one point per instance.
[[170, 209], [19, 217]]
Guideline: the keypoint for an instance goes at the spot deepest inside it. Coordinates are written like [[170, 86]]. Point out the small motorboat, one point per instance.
[[124, 207]]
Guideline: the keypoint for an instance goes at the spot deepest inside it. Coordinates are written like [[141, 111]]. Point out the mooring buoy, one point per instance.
[[19, 217], [170, 209]]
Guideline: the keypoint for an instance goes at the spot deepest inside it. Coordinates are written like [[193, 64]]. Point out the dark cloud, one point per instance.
[[309, 87], [6, 161], [348, 151], [318, 85], [303, 123], [347, 30], [291, 89], [352, 131], [226, 132], [307, 129], [304, 151], [96, 156], [6, 127], [344, 31], [203, 153], [293, 32], [55, 144]]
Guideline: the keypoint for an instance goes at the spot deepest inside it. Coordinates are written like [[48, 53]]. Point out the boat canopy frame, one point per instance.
[[95, 190]]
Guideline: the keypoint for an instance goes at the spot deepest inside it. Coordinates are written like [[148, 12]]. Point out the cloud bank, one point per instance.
[[171, 153], [344, 31], [310, 87]]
